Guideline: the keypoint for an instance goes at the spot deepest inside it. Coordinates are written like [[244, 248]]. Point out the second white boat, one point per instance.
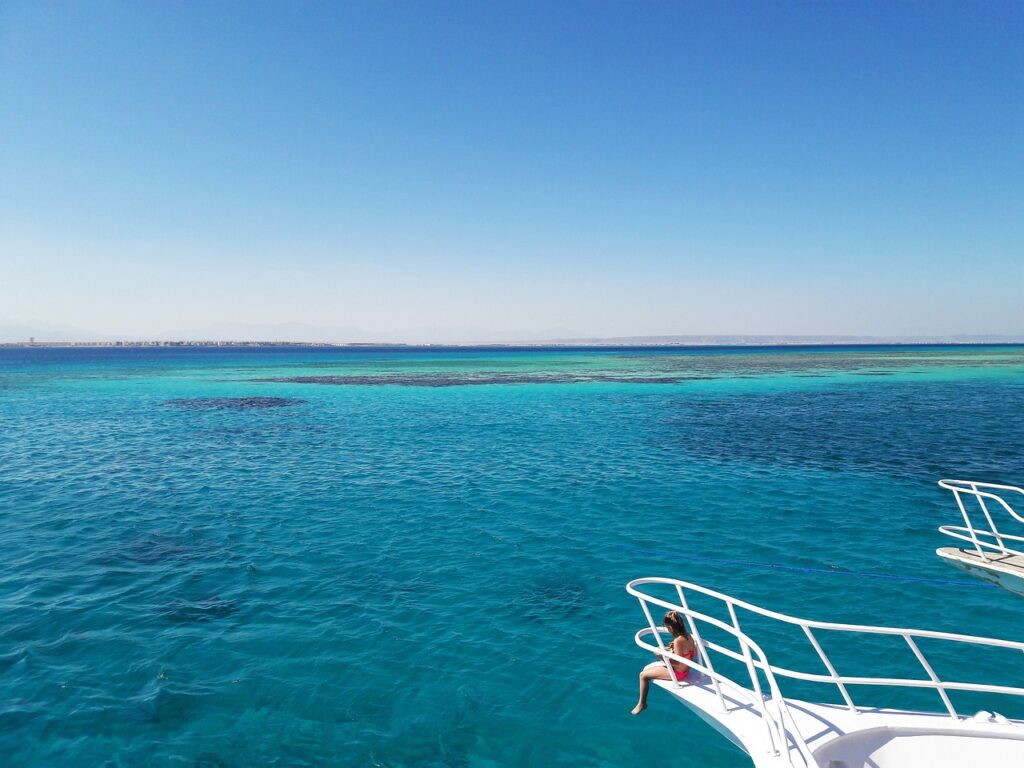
[[995, 552]]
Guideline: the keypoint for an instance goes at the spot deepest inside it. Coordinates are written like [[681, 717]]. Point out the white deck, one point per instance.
[[872, 738], [1003, 569], [781, 732]]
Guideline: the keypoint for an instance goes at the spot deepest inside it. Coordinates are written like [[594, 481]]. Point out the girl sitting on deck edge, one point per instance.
[[682, 645]]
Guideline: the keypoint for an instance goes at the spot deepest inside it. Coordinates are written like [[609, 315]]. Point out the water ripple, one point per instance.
[[431, 574]]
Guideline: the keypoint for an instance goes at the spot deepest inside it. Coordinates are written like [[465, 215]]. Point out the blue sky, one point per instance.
[[463, 171]]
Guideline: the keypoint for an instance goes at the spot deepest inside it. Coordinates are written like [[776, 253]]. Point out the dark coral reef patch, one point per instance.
[[232, 403], [465, 380]]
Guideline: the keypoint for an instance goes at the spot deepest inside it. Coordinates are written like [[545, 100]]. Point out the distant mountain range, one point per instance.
[[762, 340]]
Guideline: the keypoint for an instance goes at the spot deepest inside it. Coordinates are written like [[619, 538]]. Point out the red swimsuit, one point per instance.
[[682, 673]]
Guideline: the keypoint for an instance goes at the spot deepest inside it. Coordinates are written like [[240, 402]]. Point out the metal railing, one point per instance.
[[783, 734], [986, 540]]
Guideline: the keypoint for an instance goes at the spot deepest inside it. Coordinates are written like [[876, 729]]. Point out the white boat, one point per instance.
[[734, 687], [994, 553]]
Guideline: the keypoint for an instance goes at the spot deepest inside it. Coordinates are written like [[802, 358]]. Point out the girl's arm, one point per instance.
[[677, 648]]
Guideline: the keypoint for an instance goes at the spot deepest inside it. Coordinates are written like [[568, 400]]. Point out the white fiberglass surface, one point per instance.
[[911, 748]]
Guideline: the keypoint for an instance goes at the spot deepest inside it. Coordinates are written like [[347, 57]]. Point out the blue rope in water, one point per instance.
[[803, 569]]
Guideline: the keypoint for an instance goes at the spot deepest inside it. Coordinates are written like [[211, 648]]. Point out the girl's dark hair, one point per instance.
[[676, 624]]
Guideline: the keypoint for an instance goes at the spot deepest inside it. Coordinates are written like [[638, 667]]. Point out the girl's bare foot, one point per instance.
[[639, 708]]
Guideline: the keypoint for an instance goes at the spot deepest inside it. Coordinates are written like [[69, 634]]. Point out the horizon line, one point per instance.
[[681, 340]]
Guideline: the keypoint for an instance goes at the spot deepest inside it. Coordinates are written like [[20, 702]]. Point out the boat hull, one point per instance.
[[866, 738], [1004, 571]]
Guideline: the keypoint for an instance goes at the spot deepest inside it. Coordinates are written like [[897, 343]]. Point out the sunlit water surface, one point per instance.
[[376, 557]]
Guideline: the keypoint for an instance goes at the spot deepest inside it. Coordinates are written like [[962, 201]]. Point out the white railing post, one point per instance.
[[934, 678], [970, 527], [705, 657], [831, 669], [755, 680], [988, 517]]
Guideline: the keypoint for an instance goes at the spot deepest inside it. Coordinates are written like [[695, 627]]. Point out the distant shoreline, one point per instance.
[[633, 341]]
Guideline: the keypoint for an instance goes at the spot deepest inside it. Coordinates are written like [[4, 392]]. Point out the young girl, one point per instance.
[[682, 645]]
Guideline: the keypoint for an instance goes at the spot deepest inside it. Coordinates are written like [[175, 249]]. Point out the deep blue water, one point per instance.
[[416, 557]]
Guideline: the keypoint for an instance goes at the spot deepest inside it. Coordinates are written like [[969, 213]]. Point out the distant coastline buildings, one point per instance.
[[626, 341], [194, 343]]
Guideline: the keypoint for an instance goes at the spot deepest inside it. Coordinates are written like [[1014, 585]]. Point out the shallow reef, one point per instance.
[[232, 403], [464, 380]]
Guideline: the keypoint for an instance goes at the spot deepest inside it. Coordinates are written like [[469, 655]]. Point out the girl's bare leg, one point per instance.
[[655, 671]]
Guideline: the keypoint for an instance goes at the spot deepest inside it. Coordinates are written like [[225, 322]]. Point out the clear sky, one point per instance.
[[484, 170]]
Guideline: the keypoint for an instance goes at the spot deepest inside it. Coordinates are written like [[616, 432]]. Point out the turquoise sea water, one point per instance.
[[366, 557]]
